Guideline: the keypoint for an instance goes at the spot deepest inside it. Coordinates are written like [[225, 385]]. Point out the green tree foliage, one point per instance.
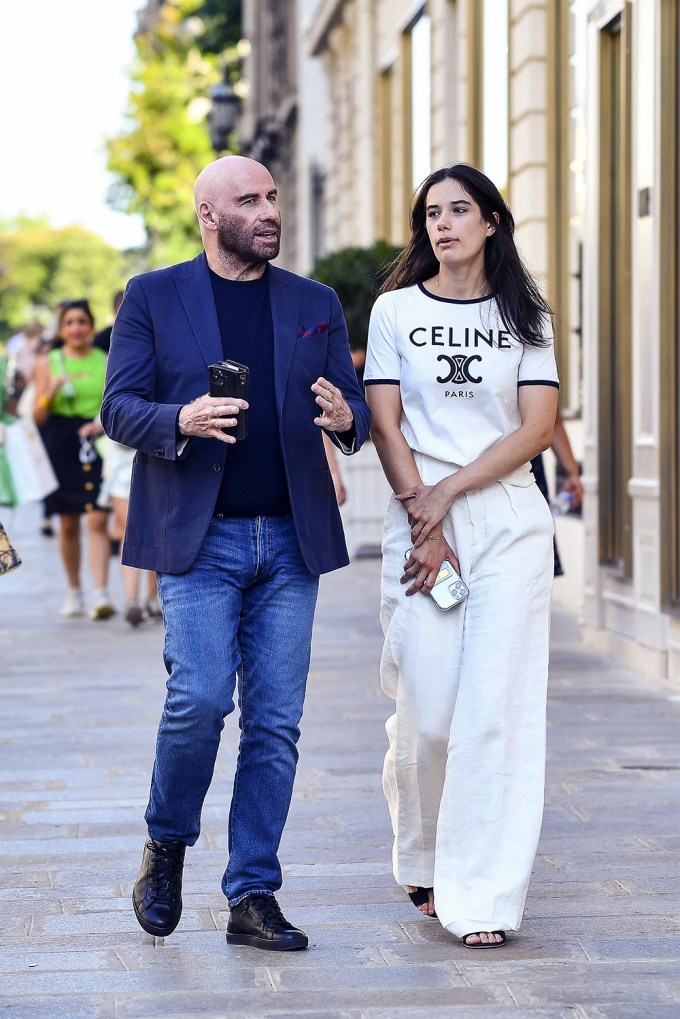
[[222, 25], [40, 266], [356, 274], [157, 159]]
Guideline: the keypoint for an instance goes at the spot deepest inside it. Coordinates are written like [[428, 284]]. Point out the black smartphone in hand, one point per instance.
[[230, 379]]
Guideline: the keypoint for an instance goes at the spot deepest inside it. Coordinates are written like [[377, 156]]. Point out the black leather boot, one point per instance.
[[157, 895], [258, 921]]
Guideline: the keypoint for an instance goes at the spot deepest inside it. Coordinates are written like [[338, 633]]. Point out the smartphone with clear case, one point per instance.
[[448, 590]]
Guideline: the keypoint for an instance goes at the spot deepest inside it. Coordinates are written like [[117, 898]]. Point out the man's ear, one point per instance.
[[206, 215]]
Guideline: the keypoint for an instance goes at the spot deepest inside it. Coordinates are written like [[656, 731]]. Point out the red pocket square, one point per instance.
[[316, 330]]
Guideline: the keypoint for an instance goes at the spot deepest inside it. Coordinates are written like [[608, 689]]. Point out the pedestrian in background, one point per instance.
[[462, 383], [115, 495], [69, 384], [570, 495], [22, 350], [238, 532], [117, 475], [102, 339], [336, 473], [27, 359]]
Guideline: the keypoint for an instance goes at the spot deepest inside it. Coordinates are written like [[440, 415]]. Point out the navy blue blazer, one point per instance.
[[165, 335]]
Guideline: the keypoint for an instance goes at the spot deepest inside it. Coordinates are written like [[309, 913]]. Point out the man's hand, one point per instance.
[[336, 413], [208, 415]]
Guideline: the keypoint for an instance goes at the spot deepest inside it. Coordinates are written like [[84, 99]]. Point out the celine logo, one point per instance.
[[460, 368]]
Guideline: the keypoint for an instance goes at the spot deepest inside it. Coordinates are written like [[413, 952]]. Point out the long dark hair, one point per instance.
[[520, 302]]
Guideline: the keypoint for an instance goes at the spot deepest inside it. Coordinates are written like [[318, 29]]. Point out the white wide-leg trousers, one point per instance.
[[464, 772]]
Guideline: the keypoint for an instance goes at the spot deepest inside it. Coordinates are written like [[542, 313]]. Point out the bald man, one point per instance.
[[238, 531]]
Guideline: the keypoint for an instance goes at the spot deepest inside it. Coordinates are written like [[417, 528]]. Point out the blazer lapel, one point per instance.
[[284, 296], [196, 294]]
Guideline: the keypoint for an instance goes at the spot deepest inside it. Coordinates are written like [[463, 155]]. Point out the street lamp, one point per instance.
[[223, 115]]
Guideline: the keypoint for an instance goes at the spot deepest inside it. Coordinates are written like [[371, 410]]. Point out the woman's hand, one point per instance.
[[426, 506], [423, 564], [46, 388], [92, 429]]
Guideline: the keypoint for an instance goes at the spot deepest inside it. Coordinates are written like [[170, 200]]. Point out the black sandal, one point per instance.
[[484, 944], [421, 897]]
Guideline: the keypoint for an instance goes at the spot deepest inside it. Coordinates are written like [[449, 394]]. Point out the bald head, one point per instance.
[[237, 208], [227, 174]]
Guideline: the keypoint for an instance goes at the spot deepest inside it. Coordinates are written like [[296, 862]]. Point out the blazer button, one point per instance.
[[217, 468], [160, 451]]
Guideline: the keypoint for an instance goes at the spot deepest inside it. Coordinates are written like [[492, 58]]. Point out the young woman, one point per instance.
[[69, 383], [462, 382]]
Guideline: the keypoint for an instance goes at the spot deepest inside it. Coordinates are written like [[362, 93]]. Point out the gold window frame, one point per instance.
[[407, 115], [615, 454], [475, 81], [669, 304], [385, 145], [557, 14]]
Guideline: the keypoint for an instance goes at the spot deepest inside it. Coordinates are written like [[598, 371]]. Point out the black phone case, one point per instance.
[[230, 379]]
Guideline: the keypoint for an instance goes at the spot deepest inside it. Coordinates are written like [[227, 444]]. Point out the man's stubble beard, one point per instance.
[[236, 240]]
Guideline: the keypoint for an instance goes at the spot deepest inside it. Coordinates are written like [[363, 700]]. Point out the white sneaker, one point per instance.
[[101, 605], [73, 606]]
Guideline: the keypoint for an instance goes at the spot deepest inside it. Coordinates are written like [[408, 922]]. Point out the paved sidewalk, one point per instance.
[[79, 704]]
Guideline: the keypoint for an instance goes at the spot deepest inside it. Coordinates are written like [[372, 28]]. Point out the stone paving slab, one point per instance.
[[79, 705]]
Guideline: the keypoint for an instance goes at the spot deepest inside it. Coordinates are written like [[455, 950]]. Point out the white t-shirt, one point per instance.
[[458, 369]]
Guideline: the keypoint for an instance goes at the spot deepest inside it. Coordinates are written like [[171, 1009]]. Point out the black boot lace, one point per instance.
[[268, 910], [167, 861]]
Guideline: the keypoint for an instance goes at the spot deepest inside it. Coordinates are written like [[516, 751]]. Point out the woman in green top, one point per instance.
[[69, 383]]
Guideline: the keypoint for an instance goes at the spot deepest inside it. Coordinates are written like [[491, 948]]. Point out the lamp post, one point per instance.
[[223, 115]]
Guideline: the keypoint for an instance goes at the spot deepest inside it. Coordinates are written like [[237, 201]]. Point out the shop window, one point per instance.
[[421, 100]]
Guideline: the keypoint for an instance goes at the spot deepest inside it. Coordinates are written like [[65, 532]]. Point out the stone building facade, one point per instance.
[[281, 130], [412, 86], [571, 106], [631, 229]]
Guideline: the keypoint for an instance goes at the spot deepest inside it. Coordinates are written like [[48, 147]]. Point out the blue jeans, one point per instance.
[[245, 609]]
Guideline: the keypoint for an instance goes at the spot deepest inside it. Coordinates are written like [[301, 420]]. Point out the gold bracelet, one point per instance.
[[434, 537], [44, 402]]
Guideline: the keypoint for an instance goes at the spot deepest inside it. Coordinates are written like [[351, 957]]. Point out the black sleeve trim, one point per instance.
[[347, 438], [538, 382], [382, 382]]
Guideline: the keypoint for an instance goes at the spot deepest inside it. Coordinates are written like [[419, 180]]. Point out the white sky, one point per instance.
[[64, 84]]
